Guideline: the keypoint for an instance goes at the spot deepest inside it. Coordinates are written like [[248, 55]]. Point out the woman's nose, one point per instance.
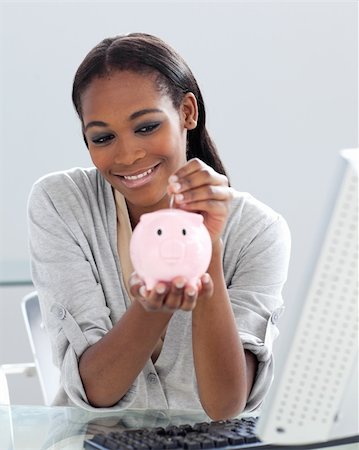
[[127, 153]]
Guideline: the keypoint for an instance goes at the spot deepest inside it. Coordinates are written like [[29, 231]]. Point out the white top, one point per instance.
[[77, 273]]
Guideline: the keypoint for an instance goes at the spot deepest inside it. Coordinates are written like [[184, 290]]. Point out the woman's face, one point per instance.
[[136, 137]]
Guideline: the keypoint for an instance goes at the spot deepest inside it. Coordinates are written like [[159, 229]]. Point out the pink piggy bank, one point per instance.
[[170, 243]]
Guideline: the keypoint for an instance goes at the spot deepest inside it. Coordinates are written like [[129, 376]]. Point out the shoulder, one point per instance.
[[78, 192], [67, 180], [249, 217], [76, 184], [251, 212], [257, 245]]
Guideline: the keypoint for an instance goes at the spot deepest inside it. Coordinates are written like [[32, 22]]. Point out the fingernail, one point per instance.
[[143, 291], [191, 292], [176, 187], [160, 289], [179, 284], [205, 278], [134, 280], [179, 197], [173, 179]]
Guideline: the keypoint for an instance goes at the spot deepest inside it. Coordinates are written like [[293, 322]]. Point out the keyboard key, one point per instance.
[[220, 441], [191, 444], [155, 445], [170, 443], [233, 438], [186, 427], [141, 446], [251, 439], [206, 443], [111, 444], [175, 431], [99, 439], [201, 426]]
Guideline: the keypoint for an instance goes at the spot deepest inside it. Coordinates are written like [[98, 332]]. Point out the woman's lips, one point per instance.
[[133, 181]]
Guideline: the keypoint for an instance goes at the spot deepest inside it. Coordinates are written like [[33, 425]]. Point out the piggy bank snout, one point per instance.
[[172, 250]]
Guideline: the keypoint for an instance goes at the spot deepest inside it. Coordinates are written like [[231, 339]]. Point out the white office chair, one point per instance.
[[48, 374]]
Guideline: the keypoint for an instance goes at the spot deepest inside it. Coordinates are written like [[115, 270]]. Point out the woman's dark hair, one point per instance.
[[143, 53]]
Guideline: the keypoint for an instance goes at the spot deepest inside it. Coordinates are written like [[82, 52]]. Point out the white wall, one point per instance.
[[280, 81]]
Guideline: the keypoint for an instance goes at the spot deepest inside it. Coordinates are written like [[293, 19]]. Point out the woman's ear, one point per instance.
[[189, 111]]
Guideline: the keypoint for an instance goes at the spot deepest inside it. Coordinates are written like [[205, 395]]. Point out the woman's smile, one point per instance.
[[138, 179]]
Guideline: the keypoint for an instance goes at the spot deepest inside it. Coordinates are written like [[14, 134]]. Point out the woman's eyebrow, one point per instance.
[[135, 115], [142, 112], [95, 123]]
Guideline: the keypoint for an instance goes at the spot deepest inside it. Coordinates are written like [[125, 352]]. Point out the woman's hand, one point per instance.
[[198, 187], [169, 297]]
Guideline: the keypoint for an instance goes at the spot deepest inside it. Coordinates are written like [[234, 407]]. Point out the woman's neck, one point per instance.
[[135, 212]]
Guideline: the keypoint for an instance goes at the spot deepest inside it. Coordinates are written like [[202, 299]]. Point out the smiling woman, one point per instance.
[[119, 345], [138, 146]]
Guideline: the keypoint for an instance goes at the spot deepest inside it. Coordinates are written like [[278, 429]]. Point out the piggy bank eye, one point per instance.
[[184, 232], [159, 232]]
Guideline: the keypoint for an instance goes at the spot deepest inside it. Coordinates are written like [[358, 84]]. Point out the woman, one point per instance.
[[177, 346]]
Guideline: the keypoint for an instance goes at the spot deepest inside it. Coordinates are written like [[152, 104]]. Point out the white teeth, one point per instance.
[[140, 175]]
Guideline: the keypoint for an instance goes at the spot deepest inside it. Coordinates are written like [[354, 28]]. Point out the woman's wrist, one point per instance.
[[217, 251]]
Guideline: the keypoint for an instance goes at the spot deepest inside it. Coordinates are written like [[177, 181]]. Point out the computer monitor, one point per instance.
[[314, 396]]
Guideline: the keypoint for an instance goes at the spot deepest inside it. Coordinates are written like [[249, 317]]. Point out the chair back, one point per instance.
[[48, 373]]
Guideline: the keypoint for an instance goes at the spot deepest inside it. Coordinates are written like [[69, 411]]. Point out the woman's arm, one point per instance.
[[63, 273], [109, 367], [225, 372]]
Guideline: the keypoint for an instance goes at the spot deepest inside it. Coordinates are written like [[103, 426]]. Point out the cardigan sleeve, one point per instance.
[[72, 300], [258, 273]]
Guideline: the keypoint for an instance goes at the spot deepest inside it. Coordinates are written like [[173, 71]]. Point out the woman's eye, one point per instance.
[[146, 129], [104, 139]]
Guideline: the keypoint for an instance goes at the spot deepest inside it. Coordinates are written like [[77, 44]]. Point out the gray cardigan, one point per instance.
[[77, 273]]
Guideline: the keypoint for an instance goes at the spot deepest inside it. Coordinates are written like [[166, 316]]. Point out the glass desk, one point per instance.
[[54, 427], [46, 427]]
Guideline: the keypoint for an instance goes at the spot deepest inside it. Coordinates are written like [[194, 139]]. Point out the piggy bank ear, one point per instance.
[[146, 218], [198, 219]]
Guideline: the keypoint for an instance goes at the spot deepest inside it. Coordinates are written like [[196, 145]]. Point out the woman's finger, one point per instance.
[[206, 286], [154, 299], [135, 283], [191, 166], [189, 299], [174, 298], [204, 177], [204, 193], [193, 174]]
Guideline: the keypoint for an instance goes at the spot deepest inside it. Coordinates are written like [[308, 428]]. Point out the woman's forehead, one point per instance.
[[120, 82], [123, 90]]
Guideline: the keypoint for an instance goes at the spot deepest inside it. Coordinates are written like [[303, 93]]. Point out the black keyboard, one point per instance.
[[236, 433]]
